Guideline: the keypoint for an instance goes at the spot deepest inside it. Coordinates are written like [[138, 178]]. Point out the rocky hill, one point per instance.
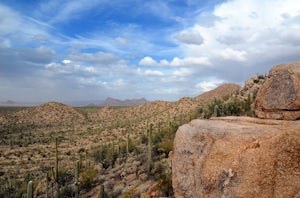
[[51, 113], [219, 92], [242, 156]]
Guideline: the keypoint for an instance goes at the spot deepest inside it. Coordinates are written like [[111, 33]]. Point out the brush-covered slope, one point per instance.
[[51, 113]]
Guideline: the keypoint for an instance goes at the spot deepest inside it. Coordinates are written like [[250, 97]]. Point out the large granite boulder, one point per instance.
[[237, 157], [279, 97]]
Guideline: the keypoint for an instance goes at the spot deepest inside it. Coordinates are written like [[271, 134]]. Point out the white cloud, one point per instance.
[[153, 73], [182, 72], [66, 61], [91, 82], [67, 67], [189, 37], [235, 55], [208, 85], [246, 37], [176, 62], [148, 61]]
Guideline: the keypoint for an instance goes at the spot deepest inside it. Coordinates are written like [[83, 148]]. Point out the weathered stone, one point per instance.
[[279, 97], [237, 157]]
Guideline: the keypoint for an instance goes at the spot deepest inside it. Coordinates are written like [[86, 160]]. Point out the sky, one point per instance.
[[62, 50]]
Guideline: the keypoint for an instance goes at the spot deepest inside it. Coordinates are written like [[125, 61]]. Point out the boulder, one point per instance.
[[279, 96], [237, 157]]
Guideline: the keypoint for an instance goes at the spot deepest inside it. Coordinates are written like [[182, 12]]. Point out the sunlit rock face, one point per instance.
[[237, 157], [279, 97]]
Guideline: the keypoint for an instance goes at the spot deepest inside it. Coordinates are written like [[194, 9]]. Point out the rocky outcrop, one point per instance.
[[237, 157], [279, 97]]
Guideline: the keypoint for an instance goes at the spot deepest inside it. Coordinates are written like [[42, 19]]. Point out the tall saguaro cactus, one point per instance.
[[169, 123], [127, 145], [76, 179], [56, 169], [216, 109], [149, 156], [30, 189], [47, 184], [101, 192]]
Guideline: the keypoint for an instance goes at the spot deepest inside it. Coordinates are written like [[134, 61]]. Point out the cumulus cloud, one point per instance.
[[65, 67], [208, 85], [66, 61], [189, 37], [176, 62], [232, 54], [153, 73], [148, 61], [244, 38]]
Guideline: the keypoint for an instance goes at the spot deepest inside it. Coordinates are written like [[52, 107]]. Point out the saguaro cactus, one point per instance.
[[149, 158], [56, 169], [101, 192], [30, 189], [76, 179], [169, 123], [216, 109], [47, 184]]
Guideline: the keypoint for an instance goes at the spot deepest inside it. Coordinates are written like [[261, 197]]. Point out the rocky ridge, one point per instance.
[[242, 156]]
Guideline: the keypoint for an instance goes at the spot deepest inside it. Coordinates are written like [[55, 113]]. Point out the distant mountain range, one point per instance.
[[107, 102], [128, 102], [8, 102]]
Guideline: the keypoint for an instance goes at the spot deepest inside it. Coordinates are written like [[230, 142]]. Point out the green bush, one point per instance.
[[67, 191], [163, 174], [130, 194], [87, 177], [164, 147]]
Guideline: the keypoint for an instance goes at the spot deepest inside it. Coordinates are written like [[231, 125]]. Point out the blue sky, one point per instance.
[[160, 49]]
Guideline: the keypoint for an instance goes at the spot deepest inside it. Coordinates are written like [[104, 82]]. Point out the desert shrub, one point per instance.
[[67, 191], [65, 177], [87, 177], [256, 80], [163, 174], [261, 76], [164, 147], [144, 139], [81, 150], [105, 155], [130, 194]]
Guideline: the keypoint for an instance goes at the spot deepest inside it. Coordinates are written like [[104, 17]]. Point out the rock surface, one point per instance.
[[279, 97], [237, 157]]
